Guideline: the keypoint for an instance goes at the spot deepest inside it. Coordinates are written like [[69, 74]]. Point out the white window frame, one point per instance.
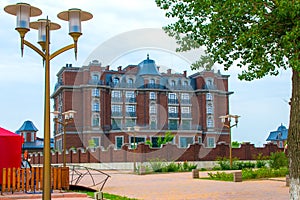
[[209, 96], [32, 137], [173, 109], [185, 109], [130, 94], [130, 109], [116, 108], [210, 122], [185, 96], [96, 106], [199, 139], [94, 117]]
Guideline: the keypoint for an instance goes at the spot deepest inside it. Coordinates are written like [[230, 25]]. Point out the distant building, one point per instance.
[[110, 103], [278, 137], [32, 143]]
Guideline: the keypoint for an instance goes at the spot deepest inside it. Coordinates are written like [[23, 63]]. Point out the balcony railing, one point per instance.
[[185, 101]]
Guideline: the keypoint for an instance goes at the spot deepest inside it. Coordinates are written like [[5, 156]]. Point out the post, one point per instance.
[[65, 145], [230, 147], [47, 158], [134, 152]]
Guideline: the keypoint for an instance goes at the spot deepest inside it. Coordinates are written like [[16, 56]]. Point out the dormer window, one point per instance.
[[116, 81], [95, 77], [172, 83]]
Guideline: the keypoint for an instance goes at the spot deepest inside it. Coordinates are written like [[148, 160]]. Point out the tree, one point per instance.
[[259, 36]]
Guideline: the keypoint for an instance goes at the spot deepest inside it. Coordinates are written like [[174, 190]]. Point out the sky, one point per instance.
[[262, 104]]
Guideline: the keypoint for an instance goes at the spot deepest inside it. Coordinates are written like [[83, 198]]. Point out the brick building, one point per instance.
[[110, 104]]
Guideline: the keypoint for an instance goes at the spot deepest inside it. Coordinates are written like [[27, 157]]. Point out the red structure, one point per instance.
[[10, 150]]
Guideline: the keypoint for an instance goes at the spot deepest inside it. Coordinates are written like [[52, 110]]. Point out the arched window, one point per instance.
[[172, 83], [210, 108], [130, 82], [95, 77]]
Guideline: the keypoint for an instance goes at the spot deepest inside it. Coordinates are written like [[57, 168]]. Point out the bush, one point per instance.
[[261, 161], [157, 165], [278, 160], [221, 176]]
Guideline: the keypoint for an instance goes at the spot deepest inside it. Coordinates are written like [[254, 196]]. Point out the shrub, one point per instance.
[[224, 163], [261, 161], [278, 160], [157, 165], [221, 176], [172, 167]]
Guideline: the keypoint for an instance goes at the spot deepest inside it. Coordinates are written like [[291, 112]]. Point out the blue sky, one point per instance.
[[262, 104]]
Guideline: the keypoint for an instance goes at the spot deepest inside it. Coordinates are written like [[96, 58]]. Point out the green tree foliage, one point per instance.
[[260, 36]]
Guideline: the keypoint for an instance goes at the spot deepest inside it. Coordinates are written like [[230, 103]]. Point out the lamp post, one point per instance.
[[24, 11], [67, 119], [228, 125], [135, 129]]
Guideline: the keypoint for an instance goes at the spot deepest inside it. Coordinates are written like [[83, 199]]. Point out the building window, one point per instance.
[[130, 122], [95, 77], [116, 110], [116, 81], [130, 82], [210, 109], [210, 122], [95, 120], [186, 125], [152, 95], [152, 82], [25, 136], [96, 141], [209, 97], [280, 144], [130, 109], [116, 96], [153, 122], [136, 140], [209, 83], [185, 98], [172, 98], [116, 124], [152, 108], [211, 142], [32, 137], [173, 111], [173, 124], [96, 106], [95, 92], [130, 96], [185, 83], [119, 141], [200, 140], [172, 83], [59, 145], [184, 142]]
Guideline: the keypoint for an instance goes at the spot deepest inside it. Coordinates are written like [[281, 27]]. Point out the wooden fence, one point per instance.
[[31, 180]]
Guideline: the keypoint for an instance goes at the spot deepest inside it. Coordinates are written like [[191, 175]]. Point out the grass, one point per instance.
[[106, 195]]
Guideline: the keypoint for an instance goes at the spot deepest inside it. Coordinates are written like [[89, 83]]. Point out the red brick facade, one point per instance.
[[107, 102]]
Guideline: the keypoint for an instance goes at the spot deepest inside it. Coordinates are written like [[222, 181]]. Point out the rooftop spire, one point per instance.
[[147, 56]]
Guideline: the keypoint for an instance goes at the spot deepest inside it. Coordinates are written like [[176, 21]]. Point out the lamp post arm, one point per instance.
[[35, 49], [66, 48]]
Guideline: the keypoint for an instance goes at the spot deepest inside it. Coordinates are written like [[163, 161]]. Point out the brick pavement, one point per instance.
[[181, 186]]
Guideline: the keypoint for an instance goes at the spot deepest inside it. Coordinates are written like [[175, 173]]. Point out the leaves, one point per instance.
[[258, 35]]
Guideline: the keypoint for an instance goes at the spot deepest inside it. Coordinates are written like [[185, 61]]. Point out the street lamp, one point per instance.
[[24, 11], [67, 119], [228, 125], [135, 129]]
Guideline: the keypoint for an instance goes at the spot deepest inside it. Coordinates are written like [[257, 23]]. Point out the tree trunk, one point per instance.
[[294, 138]]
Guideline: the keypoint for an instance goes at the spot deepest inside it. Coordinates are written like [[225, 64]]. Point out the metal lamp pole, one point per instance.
[[223, 120], [24, 11], [68, 118]]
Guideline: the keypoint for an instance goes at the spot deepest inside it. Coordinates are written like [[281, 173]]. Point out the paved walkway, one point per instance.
[[177, 186], [181, 186]]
